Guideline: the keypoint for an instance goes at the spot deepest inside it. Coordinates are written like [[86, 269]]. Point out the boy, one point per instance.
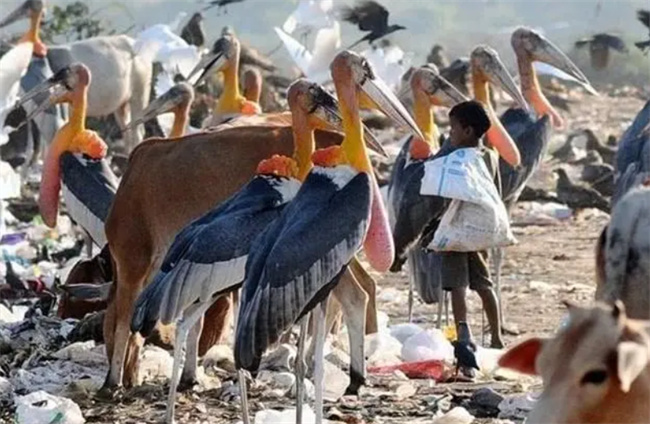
[[469, 122]]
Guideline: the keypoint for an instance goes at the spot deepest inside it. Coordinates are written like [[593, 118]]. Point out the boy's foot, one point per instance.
[[496, 343], [468, 372]]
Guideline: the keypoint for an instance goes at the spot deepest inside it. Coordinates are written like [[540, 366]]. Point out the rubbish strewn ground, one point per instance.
[[553, 261]]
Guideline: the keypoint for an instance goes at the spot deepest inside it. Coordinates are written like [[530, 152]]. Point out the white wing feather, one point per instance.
[[13, 66], [314, 14], [327, 43], [299, 53]]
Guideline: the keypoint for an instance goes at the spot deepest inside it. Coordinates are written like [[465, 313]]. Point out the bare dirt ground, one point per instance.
[[551, 263]]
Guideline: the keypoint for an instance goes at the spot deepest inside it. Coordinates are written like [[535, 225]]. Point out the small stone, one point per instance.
[[220, 356], [280, 359], [486, 398], [405, 391], [277, 380], [335, 382], [310, 390], [6, 389], [201, 408]]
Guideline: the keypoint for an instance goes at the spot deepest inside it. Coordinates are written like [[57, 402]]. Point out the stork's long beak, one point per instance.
[[208, 63], [384, 99], [497, 73], [22, 12], [56, 82], [163, 104], [547, 52], [328, 112], [445, 94]]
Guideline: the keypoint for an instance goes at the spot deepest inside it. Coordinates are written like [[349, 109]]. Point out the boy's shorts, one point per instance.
[[462, 269]]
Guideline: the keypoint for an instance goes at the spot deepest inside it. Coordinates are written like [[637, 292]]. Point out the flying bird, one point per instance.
[[221, 5], [372, 17], [644, 17], [599, 47], [193, 32]]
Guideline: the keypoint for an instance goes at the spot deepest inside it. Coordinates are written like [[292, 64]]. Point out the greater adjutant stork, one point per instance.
[[299, 259], [429, 89], [224, 58], [531, 132], [75, 158], [122, 76], [208, 257], [416, 213]]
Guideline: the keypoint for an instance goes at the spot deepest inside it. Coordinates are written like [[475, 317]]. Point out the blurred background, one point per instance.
[[458, 25]]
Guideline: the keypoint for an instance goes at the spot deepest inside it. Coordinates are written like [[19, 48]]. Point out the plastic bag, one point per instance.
[[476, 219], [42, 407]]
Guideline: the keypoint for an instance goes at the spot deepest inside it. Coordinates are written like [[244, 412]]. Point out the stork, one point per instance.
[[300, 258], [122, 78], [192, 275], [530, 132]]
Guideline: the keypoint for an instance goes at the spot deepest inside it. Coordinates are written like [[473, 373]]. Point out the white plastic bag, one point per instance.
[[42, 407], [476, 218]]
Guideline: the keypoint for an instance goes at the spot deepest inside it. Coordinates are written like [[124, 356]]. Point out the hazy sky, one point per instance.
[[457, 24]]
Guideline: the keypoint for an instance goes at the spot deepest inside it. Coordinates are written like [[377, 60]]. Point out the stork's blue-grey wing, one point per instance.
[[516, 121], [396, 179], [633, 155], [532, 139], [208, 256], [414, 211], [88, 187], [298, 260]]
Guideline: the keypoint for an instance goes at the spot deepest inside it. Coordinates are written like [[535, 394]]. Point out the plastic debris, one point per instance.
[[42, 407], [288, 416], [85, 353], [433, 369], [427, 345], [517, 407], [156, 363], [402, 332], [458, 415]]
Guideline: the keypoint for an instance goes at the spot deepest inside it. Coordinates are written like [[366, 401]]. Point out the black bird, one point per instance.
[[372, 17], [644, 17], [577, 196], [457, 74], [221, 4], [12, 279], [70, 252], [599, 46], [193, 31], [608, 153], [438, 57]]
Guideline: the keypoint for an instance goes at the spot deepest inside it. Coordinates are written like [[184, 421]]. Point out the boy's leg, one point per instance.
[[455, 278], [480, 281]]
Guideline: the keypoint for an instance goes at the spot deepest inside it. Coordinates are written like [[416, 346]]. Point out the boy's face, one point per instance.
[[459, 135]]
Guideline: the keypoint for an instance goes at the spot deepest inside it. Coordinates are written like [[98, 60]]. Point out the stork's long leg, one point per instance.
[[319, 370], [412, 271], [189, 321], [243, 396], [441, 299], [300, 368]]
